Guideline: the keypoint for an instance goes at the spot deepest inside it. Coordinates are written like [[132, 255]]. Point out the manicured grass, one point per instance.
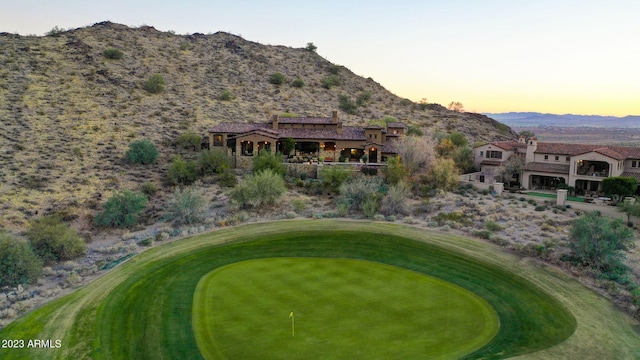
[[365, 310], [144, 307], [553, 196]]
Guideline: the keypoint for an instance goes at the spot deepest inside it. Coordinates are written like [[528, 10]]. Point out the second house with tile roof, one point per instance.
[[548, 165]]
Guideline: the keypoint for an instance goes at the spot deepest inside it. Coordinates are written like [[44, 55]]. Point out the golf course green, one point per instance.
[[240, 312], [350, 285]]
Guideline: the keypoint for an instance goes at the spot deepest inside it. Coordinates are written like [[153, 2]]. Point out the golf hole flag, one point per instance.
[[293, 333]]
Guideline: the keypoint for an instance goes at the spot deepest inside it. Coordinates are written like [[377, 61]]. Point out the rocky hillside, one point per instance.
[[67, 112]]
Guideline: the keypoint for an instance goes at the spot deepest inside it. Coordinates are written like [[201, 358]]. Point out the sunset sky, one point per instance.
[[580, 57]]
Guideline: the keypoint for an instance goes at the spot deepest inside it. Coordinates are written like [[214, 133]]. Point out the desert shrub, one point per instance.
[[334, 69], [394, 201], [141, 152], [298, 82], [330, 81], [52, 240], [113, 54], [189, 139], [444, 217], [483, 234], [416, 153], [227, 178], [145, 242], [492, 226], [299, 205], [186, 206], [334, 176], [259, 189], [600, 242], [122, 209], [155, 84], [347, 105], [55, 31], [277, 78], [288, 145], [362, 193], [268, 160], [148, 188], [226, 95], [395, 171], [311, 47], [185, 46], [213, 161], [540, 208], [181, 172], [363, 98], [414, 130], [18, 263], [444, 175]]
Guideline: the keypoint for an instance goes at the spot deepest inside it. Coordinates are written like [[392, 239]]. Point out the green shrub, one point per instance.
[[334, 69], [187, 206], [363, 98], [155, 84], [395, 171], [540, 208], [347, 105], [18, 263], [299, 205], [141, 152], [619, 185], [122, 209], [444, 175], [148, 188], [259, 189], [330, 81], [113, 54], [334, 176], [214, 161], [414, 130], [185, 46], [181, 172], [394, 201], [227, 178], [362, 190], [483, 234], [298, 82], [52, 240], [444, 217], [145, 242], [288, 145], [226, 95], [268, 160], [55, 31], [311, 47], [492, 226], [189, 139], [277, 78]]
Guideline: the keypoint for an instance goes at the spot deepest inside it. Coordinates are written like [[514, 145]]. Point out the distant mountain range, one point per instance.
[[528, 119]]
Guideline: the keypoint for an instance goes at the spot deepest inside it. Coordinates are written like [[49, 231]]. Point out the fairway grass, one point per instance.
[[345, 309], [143, 309]]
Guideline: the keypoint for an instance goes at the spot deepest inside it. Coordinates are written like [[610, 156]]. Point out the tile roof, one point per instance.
[[236, 128], [507, 145], [396, 125], [304, 120], [634, 175], [548, 168], [491, 162]]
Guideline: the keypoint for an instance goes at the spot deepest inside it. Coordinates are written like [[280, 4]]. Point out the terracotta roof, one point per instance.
[[610, 153], [548, 168], [237, 128], [506, 145], [304, 120]]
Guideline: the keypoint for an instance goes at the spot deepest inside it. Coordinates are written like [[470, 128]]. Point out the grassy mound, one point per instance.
[[144, 307], [364, 310]]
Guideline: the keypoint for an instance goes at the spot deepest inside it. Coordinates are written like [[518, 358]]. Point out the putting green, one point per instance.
[[343, 309], [143, 309]]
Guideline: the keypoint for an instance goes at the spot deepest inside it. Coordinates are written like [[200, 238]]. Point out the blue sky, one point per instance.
[[563, 56]]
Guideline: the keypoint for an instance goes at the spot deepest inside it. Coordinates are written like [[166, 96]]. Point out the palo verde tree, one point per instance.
[[52, 240], [600, 242], [122, 209]]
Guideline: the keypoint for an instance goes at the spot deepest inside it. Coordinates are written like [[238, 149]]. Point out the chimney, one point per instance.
[[339, 128], [522, 140], [334, 116], [532, 145], [274, 122]]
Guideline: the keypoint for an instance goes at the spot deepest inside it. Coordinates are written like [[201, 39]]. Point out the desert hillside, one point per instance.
[[68, 112]]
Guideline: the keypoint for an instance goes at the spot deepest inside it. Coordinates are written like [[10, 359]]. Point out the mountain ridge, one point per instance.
[[520, 119]]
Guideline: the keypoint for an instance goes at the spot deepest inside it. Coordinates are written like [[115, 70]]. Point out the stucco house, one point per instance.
[[314, 137], [547, 165]]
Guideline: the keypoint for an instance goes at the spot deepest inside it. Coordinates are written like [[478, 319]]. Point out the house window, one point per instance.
[[494, 154], [634, 163], [557, 157], [481, 153], [567, 158], [217, 140], [546, 157]]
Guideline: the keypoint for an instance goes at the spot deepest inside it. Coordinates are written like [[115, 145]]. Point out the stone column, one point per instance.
[[498, 188], [561, 199]]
